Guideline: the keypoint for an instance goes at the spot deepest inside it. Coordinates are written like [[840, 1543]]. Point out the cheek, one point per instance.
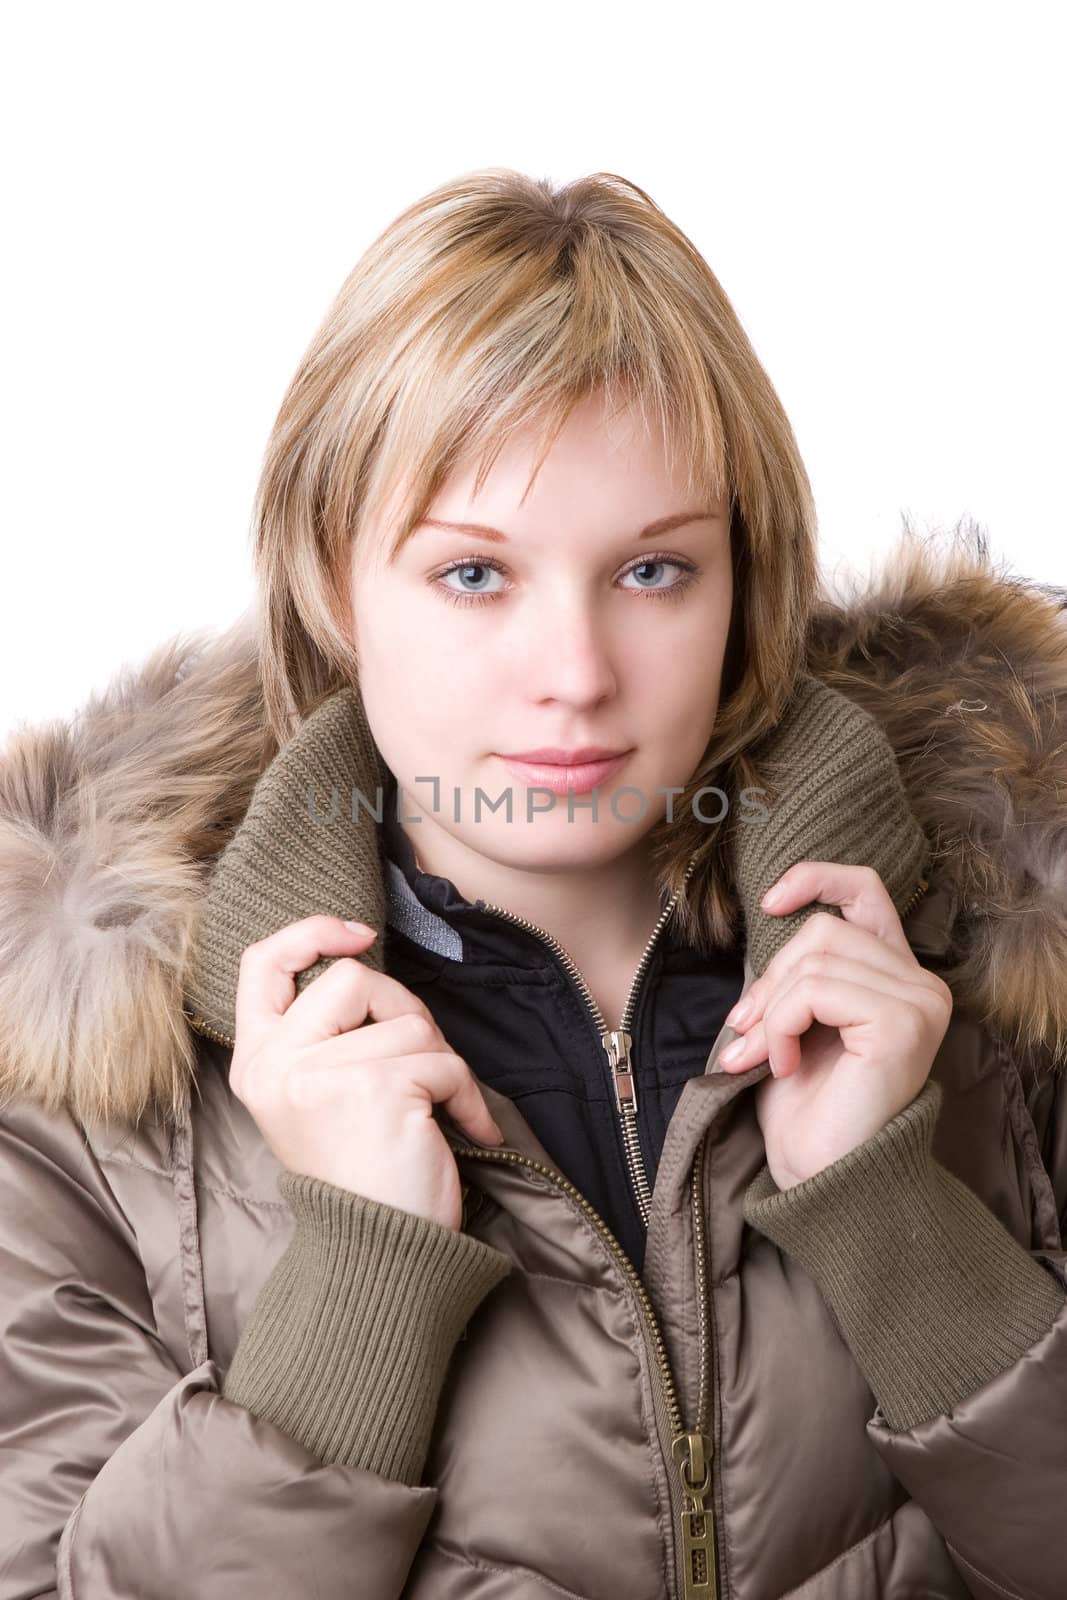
[[445, 678], [680, 697], [685, 671], [425, 701]]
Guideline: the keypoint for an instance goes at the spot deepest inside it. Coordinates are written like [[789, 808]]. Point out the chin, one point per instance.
[[569, 847]]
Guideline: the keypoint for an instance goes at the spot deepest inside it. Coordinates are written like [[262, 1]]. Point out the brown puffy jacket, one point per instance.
[[858, 1388]]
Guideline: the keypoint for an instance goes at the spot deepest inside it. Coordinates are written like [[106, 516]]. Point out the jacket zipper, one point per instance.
[[203, 1026], [696, 1570], [696, 1575]]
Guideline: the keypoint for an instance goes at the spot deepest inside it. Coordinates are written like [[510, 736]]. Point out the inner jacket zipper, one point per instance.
[[616, 1042], [692, 1450]]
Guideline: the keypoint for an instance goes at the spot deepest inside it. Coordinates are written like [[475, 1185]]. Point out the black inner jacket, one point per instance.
[[506, 1003]]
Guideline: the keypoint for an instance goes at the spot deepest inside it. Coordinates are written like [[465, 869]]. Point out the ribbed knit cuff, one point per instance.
[[932, 1294], [349, 1340]]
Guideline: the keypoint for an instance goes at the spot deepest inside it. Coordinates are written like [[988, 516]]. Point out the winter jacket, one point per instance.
[[221, 1379]]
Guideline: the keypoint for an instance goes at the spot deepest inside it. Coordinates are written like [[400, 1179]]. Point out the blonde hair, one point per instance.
[[495, 302]]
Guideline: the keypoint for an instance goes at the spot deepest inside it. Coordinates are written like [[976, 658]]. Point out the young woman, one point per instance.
[[384, 1213]]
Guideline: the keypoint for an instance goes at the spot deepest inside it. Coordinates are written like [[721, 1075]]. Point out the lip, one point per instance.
[[579, 776], [549, 756]]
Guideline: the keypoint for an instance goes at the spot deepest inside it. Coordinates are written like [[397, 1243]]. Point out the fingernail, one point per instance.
[[733, 1051], [740, 1010], [773, 895], [359, 927]]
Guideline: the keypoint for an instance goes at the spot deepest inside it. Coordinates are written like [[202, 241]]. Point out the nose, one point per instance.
[[570, 650]]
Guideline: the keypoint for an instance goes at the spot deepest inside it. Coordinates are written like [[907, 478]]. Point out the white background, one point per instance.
[[879, 190]]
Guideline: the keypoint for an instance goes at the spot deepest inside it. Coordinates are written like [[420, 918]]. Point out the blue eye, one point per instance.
[[655, 561], [464, 596], [483, 565]]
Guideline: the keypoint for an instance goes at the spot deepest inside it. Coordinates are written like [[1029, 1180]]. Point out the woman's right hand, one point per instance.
[[342, 1079]]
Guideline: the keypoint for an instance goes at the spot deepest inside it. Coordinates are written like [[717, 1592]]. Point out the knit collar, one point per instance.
[[309, 843]]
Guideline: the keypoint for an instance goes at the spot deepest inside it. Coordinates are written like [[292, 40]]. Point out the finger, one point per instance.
[[823, 933], [347, 995], [456, 1090], [867, 1019], [266, 983], [845, 991], [430, 1078], [409, 1034], [859, 892]]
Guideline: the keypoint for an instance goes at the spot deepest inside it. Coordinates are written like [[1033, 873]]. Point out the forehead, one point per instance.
[[595, 444], [609, 471]]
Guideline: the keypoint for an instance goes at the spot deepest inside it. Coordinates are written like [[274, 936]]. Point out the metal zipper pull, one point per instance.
[[617, 1044], [696, 1533]]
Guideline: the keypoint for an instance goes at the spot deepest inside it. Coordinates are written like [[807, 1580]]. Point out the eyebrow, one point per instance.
[[678, 519]]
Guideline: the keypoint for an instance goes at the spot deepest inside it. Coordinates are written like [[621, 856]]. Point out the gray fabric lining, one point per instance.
[[406, 913]]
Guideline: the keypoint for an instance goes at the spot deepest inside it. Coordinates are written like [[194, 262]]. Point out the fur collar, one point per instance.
[[120, 827]]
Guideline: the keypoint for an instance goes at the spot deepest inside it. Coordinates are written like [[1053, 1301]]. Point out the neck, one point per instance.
[[600, 912]]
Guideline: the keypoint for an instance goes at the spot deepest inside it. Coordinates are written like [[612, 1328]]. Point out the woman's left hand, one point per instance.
[[847, 1017]]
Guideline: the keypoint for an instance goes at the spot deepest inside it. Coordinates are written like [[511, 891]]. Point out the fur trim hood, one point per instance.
[[114, 823]]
